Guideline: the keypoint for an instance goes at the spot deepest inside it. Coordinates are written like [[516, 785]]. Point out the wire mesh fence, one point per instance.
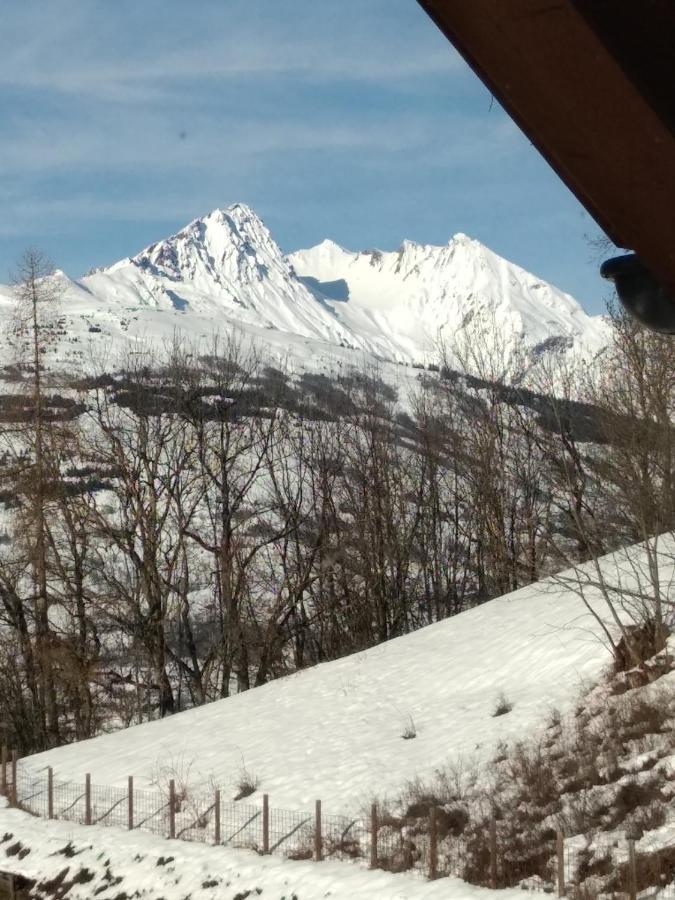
[[291, 833], [578, 868], [109, 805], [190, 816]]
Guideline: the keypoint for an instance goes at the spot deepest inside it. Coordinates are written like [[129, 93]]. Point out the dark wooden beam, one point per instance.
[[591, 98], [639, 36]]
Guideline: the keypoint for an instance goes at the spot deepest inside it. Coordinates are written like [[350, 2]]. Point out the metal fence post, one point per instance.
[[318, 842], [373, 836], [560, 854], [433, 843], [266, 823], [3, 771], [172, 809], [493, 852], [632, 870], [216, 818], [50, 793], [14, 796], [87, 799], [130, 802]]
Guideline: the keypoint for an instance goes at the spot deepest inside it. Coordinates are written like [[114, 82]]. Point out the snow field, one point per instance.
[[335, 732]]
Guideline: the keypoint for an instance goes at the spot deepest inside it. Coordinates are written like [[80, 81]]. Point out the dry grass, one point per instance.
[[502, 706], [247, 785], [597, 771]]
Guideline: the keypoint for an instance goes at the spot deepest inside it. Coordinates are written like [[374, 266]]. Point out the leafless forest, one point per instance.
[[194, 524]]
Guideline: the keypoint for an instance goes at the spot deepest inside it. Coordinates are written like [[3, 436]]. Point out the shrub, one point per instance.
[[502, 707], [247, 784], [410, 730]]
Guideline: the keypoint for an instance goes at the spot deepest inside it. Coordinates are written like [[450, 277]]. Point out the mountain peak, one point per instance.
[[421, 290], [328, 244], [395, 304], [237, 214], [328, 250], [228, 224], [408, 246], [226, 244]]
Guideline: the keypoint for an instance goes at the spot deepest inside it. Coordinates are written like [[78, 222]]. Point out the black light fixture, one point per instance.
[[640, 293]]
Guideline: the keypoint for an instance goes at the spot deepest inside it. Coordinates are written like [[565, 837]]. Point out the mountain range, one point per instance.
[[225, 271]]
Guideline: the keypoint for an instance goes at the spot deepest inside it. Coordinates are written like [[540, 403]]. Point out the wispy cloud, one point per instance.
[[149, 140], [93, 87], [356, 120], [88, 49]]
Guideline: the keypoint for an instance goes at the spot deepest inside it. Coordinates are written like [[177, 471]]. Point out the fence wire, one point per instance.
[[583, 871]]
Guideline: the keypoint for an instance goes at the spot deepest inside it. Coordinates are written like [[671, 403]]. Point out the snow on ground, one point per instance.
[[118, 864], [334, 732]]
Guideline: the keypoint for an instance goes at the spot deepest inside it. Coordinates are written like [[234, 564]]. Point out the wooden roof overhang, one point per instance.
[[592, 85]]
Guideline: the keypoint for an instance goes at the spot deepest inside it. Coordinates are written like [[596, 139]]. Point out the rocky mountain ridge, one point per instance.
[[225, 271]]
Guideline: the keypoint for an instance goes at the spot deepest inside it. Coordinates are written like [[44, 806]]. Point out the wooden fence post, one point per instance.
[[216, 818], [433, 843], [560, 853], [266, 823], [50, 793], [493, 852], [632, 870], [87, 799], [3, 771], [172, 809], [14, 795], [373, 836], [130, 802], [318, 842]]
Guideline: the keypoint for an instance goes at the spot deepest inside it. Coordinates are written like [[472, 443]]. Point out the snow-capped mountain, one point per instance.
[[421, 296], [226, 266], [225, 271]]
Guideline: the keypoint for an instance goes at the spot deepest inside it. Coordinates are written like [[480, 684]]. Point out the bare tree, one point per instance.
[[614, 487], [37, 293]]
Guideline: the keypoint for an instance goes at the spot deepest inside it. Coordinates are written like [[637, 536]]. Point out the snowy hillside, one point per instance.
[[336, 731], [224, 271], [518, 684]]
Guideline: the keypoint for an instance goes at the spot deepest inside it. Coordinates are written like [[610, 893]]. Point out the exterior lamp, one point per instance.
[[640, 293]]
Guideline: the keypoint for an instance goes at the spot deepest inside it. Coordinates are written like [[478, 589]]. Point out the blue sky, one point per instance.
[[121, 121]]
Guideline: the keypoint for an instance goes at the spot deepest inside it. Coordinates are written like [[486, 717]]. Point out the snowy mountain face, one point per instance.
[[224, 271], [422, 296], [225, 266]]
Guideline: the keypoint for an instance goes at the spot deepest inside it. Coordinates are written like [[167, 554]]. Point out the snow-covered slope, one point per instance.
[[115, 864], [224, 271], [421, 295], [335, 731]]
